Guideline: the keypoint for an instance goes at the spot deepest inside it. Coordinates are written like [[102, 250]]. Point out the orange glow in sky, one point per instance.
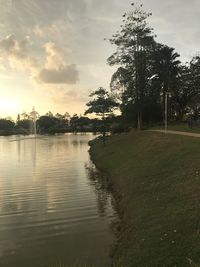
[[8, 106], [53, 53]]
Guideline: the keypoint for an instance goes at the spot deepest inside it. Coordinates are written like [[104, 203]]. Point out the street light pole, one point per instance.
[[166, 111], [167, 94]]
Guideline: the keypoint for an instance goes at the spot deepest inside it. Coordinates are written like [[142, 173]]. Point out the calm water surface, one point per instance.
[[52, 210]]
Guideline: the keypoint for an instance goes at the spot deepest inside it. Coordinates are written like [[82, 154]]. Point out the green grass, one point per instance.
[[80, 265], [183, 127], [66, 265], [156, 183], [59, 264]]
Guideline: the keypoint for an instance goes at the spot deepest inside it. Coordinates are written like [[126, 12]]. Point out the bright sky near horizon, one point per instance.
[[53, 53]]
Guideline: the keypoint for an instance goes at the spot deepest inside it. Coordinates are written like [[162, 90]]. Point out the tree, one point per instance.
[[83, 123], [194, 102], [120, 81], [135, 43], [25, 116], [6, 125], [122, 85], [47, 124], [194, 107], [59, 116], [49, 114], [102, 105], [166, 66], [186, 91], [74, 122]]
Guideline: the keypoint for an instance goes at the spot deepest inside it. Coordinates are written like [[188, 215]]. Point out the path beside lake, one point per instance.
[[177, 132]]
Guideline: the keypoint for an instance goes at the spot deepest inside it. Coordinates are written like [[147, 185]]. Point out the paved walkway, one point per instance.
[[178, 132]]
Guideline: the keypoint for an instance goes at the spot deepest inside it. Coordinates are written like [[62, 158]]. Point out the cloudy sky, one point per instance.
[[53, 53]]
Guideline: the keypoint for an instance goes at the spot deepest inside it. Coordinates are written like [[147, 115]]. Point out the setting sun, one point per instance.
[[8, 106]]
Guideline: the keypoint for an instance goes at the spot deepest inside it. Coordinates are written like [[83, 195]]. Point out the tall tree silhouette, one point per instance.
[[134, 42]]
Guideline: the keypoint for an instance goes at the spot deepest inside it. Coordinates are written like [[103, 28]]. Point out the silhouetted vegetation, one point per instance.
[[102, 105], [148, 74], [53, 124], [6, 126]]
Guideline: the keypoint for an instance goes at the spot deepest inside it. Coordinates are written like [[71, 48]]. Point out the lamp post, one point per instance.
[[167, 94]]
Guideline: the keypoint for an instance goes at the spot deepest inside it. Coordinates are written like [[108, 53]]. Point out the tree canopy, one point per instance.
[[102, 104], [148, 71]]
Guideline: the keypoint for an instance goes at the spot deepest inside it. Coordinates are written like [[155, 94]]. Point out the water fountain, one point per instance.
[[34, 115]]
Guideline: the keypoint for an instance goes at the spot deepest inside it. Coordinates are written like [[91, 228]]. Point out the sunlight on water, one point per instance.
[[50, 208]]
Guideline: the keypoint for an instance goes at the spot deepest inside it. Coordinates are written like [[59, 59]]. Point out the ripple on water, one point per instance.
[[49, 207]]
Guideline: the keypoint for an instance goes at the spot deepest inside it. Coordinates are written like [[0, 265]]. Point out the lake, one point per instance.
[[53, 207]]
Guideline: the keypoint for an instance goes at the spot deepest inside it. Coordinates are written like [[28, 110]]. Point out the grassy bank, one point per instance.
[[156, 181]]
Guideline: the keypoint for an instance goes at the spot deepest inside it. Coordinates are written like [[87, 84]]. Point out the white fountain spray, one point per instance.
[[34, 115]]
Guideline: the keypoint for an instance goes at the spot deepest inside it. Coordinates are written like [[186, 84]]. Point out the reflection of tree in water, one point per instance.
[[101, 185], [78, 143], [104, 201]]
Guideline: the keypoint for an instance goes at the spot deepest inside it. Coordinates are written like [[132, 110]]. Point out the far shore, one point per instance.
[[25, 133]]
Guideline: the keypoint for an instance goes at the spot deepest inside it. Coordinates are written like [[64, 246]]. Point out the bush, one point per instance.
[[119, 128]]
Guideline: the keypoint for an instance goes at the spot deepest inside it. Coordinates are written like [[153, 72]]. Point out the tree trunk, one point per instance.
[[104, 130], [139, 120], [180, 113]]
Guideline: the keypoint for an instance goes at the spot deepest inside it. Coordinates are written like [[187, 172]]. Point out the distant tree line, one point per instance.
[[150, 77], [52, 124]]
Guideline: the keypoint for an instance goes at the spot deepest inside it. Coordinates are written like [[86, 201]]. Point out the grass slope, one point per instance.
[[156, 180]]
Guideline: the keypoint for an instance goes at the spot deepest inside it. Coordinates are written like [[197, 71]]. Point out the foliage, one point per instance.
[[102, 104], [81, 123], [166, 65], [48, 124], [148, 71], [187, 90], [135, 43], [6, 124], [25, 124]]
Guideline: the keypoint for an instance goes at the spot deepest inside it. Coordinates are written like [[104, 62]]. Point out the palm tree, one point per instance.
[[166, 64], [166, 67], [25, 116], [186, 92]]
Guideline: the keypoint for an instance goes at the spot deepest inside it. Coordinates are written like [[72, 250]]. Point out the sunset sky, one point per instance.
[[53, 52]]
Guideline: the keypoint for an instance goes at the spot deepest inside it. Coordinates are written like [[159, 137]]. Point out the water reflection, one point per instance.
[[49, 209], [101, 185]]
